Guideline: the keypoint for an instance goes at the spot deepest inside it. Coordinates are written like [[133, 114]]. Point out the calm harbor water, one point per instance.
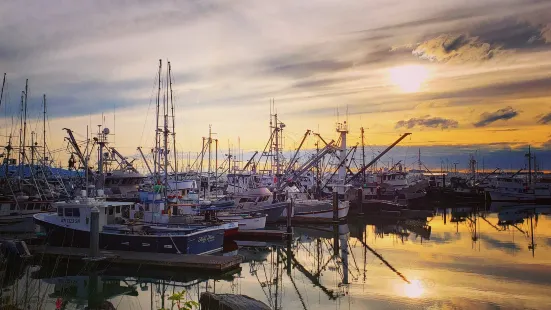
[[458, 259]]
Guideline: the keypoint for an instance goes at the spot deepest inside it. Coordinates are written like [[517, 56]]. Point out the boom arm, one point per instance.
[[359, 173]]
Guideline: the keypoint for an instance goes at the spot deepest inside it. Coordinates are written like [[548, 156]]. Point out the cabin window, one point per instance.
[[59, 211], [251, 200], [105, 211], [37, 206], [68, 211], [242, 200], [118, 209], [110, 210], [76, 212], [30, 206], [12, 206]]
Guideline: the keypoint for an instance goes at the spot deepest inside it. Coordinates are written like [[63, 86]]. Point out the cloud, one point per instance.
[[455, 48], [545, 119], [501, 114], [546, 33], [509, 33], [483, 41], [538, 87], [429, 122]]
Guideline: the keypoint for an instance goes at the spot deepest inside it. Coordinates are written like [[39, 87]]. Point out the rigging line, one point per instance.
[[152, 93]]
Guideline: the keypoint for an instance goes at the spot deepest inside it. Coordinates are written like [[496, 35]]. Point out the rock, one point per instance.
[[210, 301]]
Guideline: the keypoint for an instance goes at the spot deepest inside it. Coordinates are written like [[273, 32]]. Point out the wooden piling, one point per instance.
[[94, 233]]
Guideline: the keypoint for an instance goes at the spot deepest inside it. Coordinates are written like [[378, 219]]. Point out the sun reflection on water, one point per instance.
[[414, 289]]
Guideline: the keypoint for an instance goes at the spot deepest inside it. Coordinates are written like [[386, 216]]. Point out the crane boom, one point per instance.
[[377, 158], [75, 146], [292, 161], [145, 160]]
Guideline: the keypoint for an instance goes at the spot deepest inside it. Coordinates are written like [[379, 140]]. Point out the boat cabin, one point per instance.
[[77, 213], [23, 207]]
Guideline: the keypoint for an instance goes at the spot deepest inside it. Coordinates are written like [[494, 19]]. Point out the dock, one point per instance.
[[260, 234], [184, 261]]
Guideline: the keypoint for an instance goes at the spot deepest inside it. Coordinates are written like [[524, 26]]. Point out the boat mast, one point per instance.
[[363, 152], [21, 147], [25, 120], [32, 147], [8, 151], [165, 136], [173, 123], [2, 92], [209, 168], [216, 159], [44, 130], [157, 140], [529, 155]]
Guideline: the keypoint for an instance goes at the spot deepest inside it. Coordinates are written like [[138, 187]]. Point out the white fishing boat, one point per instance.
[[245, 221], [319, 209], [510, 189]]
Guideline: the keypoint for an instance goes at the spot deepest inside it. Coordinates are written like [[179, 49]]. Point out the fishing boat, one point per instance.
[[70, 226], [510, 189], [319, 209], [245, 221], [152, 211], [16, 215]]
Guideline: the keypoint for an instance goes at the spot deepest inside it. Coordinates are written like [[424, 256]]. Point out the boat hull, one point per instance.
[[513, 197], [272, 211], [324, 214], [201, 242], [248, 223]]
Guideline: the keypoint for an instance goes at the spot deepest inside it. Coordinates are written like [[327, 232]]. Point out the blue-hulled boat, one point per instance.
[[70, 226]]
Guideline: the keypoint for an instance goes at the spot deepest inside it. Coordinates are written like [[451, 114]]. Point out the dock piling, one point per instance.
[[290, 208], [335, 204], [94, 233]]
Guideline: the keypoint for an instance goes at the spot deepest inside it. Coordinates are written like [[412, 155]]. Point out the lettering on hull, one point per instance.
[[72, 221], [206, 239]]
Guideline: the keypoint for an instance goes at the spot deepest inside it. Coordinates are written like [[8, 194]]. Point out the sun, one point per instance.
[[408, 78]]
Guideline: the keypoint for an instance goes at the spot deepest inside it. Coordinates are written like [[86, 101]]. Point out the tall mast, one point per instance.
[[165, 136], [529, 155], [44, 130], [2, 92], [20, 161], [32, 148], [209, 141], [25, 120], [216, 159], [157, 140], [8, 151], [173, 123], [363, 152]]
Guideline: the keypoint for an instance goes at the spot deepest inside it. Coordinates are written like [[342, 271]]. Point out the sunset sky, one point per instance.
[[460, 75]]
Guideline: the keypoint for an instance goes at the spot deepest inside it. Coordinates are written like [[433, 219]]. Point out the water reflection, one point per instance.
[[470, 257]]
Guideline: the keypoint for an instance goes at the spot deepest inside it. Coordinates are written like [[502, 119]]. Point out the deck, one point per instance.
[[260, 234], [185, 261]]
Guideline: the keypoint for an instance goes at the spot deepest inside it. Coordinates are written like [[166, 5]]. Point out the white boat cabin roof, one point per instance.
[[92, 203]]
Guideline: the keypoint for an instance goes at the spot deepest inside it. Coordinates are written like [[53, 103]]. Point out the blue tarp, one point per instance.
[[13, 170]]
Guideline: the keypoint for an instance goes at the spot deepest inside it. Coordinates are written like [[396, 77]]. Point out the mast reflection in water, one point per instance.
[[459, 258]]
